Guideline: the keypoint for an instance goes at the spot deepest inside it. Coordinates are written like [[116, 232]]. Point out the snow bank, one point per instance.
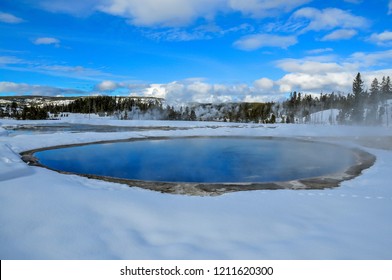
[[3, 132], [47, 215], [11, 166]]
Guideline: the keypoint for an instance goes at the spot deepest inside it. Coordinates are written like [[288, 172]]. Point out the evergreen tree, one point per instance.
[[386, 88], [193, 115], [358, 102], [374, 90], [374, 99]]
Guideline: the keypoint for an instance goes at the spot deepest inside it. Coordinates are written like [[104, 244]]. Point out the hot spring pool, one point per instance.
[[205, 160]]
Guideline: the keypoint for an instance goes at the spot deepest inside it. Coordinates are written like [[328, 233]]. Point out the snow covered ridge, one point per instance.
[[48, 215]]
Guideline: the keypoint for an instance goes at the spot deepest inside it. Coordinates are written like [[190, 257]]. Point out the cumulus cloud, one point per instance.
[[47, 41], [327, 82], [312, 19], [194, 90], [316, 83], [154, 90], [340, 34], [315, 75], [264, 84], [384, 38], [10, 18], [162, 13], [257, 41], [107, 86]]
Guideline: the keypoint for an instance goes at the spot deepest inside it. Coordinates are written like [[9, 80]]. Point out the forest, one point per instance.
[[367, 105]]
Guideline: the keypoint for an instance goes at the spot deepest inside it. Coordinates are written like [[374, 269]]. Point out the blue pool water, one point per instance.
[[203, 160]]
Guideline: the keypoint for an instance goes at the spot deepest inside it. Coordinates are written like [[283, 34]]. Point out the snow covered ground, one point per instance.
[[47, 215]]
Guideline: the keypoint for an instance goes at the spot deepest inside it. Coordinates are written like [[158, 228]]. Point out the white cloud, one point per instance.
[[9, 60], [316, 83], [79, 72], [314, 75], [107, 86], [172, 13], [9, 18], [318, 51], [176, 13], [340, 34], [154, 90], [264, 84], [179, 92], [265, 8], [384, 38], [327, 82], [257, 41], [326, 19], [47, 41], [193, 90], [37, 66], [368, 76], [129, 88], [73, 7], [203, 32], [180, 34], [382, 58], [309, 66], [27, 89], [310, 75], [6, 87]]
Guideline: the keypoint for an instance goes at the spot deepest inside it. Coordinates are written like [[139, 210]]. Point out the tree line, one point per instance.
[[362, 106]]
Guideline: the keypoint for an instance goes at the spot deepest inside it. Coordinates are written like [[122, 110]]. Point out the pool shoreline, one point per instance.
[[363, 160]]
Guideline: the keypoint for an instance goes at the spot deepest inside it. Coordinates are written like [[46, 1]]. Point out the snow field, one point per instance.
[[47, 215]]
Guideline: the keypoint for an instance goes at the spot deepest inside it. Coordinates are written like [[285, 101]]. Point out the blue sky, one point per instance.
[[194, 50]]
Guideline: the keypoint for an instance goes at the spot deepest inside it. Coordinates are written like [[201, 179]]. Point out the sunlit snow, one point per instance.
[[47, 215]]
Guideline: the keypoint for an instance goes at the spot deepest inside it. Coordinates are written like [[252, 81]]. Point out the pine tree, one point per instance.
[[374, 89], [374, 99], [386, 88], [358, 85], [358, 104], [386, 93], [193, 115]]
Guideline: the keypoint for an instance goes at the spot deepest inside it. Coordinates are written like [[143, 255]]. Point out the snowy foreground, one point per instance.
[[47, 215]]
